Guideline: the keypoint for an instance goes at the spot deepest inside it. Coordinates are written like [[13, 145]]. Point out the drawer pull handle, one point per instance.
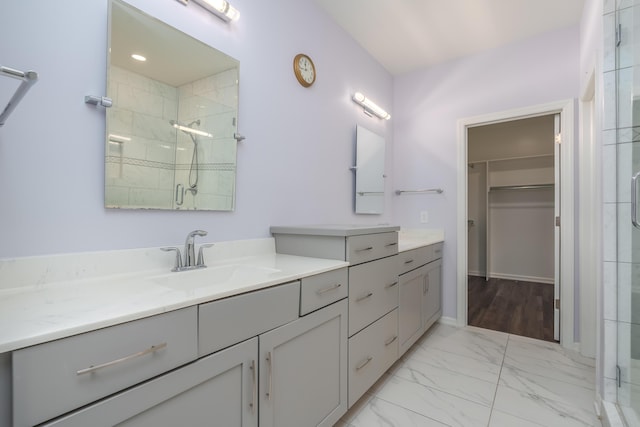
[[391, 285], [369, 295], [392, 244], [364, 249], [437, 251], [364, 363], [409, 261], [252, 404], [269, 361], [389, 342], [330, 288], [151, 349]]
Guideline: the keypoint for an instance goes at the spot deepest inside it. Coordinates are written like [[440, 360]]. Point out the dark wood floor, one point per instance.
[[521, 308]]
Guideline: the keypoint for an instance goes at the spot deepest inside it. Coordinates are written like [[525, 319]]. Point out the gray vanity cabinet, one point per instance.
[[411, 303], [218, 390], [420, 288], [303, 374]]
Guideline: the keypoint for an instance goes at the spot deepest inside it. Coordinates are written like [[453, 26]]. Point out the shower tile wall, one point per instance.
[[141, 148], [213, 101]]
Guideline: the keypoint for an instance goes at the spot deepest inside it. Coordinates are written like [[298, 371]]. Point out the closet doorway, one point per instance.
[[513, 242]]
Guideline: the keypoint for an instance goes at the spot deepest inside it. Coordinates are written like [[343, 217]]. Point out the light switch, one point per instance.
[[424, 217]]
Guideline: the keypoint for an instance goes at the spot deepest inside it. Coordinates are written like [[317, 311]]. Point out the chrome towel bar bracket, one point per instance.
[[98, 100]]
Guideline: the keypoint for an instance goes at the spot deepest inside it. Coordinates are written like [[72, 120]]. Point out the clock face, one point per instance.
[[304, 70]]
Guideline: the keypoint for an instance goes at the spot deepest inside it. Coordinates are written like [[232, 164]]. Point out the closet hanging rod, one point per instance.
[[28, 78], [426, 190], [521, 187]]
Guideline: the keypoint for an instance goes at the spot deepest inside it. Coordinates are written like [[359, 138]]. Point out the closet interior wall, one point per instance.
[[511, 200]]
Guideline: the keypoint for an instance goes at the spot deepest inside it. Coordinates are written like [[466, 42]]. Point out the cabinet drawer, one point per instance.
[[367, 247], [322, 289], [371, 352], [436, 251], [373, 291], [220, 387], [53, 378], [410, 260], [228, 321]]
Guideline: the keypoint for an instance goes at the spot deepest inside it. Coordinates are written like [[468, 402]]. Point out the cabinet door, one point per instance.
[[218, 390], [410, 307], [432, 294], [303, 370]]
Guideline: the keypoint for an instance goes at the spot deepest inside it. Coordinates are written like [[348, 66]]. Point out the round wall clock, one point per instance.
[[304, 69]]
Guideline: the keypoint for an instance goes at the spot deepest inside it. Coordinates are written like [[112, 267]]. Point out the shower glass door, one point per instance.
[[627, 75]]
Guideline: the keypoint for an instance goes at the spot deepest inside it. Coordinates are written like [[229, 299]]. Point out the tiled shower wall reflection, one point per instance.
[[213, 100], [621, 252], [142, 144]]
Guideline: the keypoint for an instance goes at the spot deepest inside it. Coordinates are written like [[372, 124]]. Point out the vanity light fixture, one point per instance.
[[370, 107], [221, 8], [138, 57]]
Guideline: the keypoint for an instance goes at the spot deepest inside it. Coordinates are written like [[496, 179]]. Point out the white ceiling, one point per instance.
[[406, 35]]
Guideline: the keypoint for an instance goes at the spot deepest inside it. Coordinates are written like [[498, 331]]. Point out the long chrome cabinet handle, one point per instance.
[[634, 200], [391, 244], [151, 349], [364, 249], [364, 363], [390, 285], [270, 362], [252, 404], [369, 295], [330, 288]]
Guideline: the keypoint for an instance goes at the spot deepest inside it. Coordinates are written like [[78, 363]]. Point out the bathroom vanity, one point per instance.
[[394, 290], [264, 338]]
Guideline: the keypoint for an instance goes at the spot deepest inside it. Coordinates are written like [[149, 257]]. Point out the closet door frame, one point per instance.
[[566, 110]]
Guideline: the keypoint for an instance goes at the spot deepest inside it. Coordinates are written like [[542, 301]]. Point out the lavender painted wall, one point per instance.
[[292, 168], [427, 105]]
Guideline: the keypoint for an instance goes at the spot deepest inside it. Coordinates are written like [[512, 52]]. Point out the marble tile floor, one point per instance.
[[477, 377]]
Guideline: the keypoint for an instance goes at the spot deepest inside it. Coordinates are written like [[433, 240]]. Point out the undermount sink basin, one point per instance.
[[211, 276]]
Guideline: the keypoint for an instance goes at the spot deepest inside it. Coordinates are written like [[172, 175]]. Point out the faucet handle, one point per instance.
[[178, 264], [200, 262]]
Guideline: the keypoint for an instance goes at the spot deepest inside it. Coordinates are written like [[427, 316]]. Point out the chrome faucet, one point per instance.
[[190, 248], [190, 261]]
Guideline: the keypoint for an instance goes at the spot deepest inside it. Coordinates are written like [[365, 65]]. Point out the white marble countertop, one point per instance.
[[48, 298], [414, 238], [35, 314]]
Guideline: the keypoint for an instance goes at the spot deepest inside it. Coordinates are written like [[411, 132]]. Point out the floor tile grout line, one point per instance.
[[495, 393]]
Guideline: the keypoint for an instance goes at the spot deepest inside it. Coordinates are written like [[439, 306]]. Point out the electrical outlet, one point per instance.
[[424, 217]]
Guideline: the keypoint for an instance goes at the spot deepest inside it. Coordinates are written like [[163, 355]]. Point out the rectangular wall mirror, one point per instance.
[[170, 132], [369, 188]]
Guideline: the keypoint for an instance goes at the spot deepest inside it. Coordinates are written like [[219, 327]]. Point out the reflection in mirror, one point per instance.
[[170, 133], [369, 172]]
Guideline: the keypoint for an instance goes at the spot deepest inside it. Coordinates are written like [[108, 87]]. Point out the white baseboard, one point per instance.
[[522, 278], [449, 321], [477, 273]]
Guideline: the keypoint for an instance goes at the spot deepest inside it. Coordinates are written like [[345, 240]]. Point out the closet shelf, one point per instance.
[[28, 78], [521, 187]]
